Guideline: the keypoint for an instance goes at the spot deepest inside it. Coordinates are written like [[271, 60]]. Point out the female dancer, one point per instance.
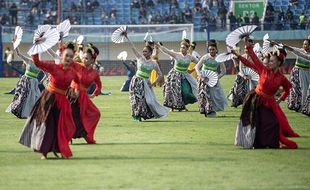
[[211, 99], [243, 83], [194, 53], [180, 87], [27, 91], [299, 98], [260, 109], [144, 104], [131, 71], [50, 126], [85, 114], [155, 58]]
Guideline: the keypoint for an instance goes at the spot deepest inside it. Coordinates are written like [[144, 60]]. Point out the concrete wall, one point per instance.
[[111, 52]]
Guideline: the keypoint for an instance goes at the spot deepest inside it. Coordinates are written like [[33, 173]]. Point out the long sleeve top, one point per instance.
[[86, 77], [60, 78], [269, 81]]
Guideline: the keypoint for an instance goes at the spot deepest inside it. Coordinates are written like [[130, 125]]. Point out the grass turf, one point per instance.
[[184, 151]]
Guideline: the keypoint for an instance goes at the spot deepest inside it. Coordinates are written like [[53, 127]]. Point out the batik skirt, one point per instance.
[[144, 104], [180, 89], [26, 94]]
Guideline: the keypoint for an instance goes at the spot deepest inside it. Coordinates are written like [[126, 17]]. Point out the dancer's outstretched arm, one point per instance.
[[133, 47], [298, 51], [167, 51], [223, 70], [26, 59]]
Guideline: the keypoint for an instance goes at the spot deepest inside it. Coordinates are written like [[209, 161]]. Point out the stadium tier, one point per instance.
[[204, 14]]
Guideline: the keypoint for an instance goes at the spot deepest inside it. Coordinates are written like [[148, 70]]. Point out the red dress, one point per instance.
[[89, 113], [268, 85], [59, 82]]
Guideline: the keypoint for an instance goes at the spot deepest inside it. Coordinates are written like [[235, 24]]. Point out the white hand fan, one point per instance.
[[9, 58], [122, 56], [17, 36], [184, 34], [266, 37], [64, 28], [146, 35], [44, 38], [81, 54], [237, 35], [212, 76], [118, 35], [224, 57], [267, 47], [80, 39], [249, 72], [257, 48]]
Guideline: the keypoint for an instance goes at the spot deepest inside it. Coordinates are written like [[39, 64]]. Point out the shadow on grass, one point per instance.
[[152, 143], [173, 158]]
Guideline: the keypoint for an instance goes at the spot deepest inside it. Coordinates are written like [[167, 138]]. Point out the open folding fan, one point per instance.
[[122, 56], [17, 36], [9, 59], [44, 38], [64, 28], [224, 57], [268, 46], [118, 35], [212, 76], [257, 48], [184, 34], [249, 72], [80, 39], [237, 35]]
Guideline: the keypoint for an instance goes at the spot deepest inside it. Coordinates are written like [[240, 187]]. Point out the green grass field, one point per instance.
[[184, 151]]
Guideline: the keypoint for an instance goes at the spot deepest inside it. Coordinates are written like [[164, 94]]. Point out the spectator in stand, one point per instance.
[[188, 16], [135, 4], [293, 2], [4, 20], [173, 5], [150, 4], [240, 21], [302, 21], [222, 12], [205, 5], [13, 10], [2, 4], [255, 19], [142, 12], [246, 19], [113, 12], [73, 7], [232, 20], [269, 18], [197, 6], [95, 4], [289, 15], [30, 19]]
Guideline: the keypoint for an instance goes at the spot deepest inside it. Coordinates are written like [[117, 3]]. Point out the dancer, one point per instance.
[[85, 114], [143, 101], [27, 91], [50, 126], [210, 99], [180, 87], [155, 58], [260, 109], [299, 97], [131, 71], [243, 83], [194, 53]]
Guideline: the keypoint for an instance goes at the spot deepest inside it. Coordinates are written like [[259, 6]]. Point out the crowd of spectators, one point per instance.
[[28, 10], [205, 14]]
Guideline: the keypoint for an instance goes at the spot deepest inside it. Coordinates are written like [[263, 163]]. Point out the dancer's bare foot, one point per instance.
[[43, 157]]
